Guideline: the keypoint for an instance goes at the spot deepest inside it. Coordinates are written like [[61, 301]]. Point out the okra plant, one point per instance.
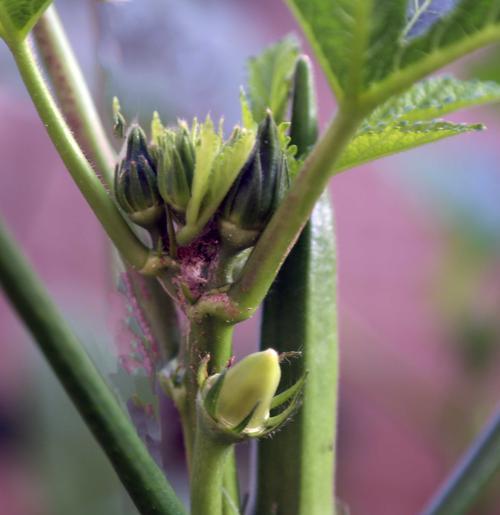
[[212, 223]]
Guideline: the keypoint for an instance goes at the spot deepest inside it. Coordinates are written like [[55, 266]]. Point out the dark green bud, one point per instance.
[[137, 146], [136, 187], [176, 160], [258, 189]]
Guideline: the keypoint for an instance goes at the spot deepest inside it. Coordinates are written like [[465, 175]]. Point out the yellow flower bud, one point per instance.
[[249, 386]]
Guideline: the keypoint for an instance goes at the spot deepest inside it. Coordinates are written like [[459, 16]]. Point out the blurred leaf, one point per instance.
[[17, 17], [381, 140], [270, 77], [435, 97]]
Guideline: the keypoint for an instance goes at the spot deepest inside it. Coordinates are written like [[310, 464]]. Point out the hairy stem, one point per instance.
[[73, 94], [130, 247], [140, 475], [207, 478], [210, 336]]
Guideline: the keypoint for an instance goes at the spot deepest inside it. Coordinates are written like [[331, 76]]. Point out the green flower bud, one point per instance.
[[258, 190], [176, 159], [136, 188], [248, 390]]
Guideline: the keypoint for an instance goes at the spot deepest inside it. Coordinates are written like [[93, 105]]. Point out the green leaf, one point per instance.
[[17, 17], [470, 19], [471, 25], [407, 121], [269, 79], [381, 140], [423, 13], [435, 97], [364, 49], [353, 39]]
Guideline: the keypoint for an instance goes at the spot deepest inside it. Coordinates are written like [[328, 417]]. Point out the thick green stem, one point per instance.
[[89, 392], [207, 478], [72, 93], [206, 336], [131, 248], [297, 467], [210, 335], [281, 233]]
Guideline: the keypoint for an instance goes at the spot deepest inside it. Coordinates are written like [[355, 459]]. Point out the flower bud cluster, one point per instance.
[[194, 175]]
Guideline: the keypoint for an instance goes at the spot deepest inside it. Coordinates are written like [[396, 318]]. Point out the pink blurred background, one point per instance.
[[419, 253]]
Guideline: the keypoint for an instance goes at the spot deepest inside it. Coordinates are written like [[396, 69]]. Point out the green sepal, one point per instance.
[[277, 421], [157, 128], [284, 396], [202, 374], [247, 118], [239, 428], [212, 395]]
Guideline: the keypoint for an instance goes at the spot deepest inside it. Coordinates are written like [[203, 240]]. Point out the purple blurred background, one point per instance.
[[419, 253]]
